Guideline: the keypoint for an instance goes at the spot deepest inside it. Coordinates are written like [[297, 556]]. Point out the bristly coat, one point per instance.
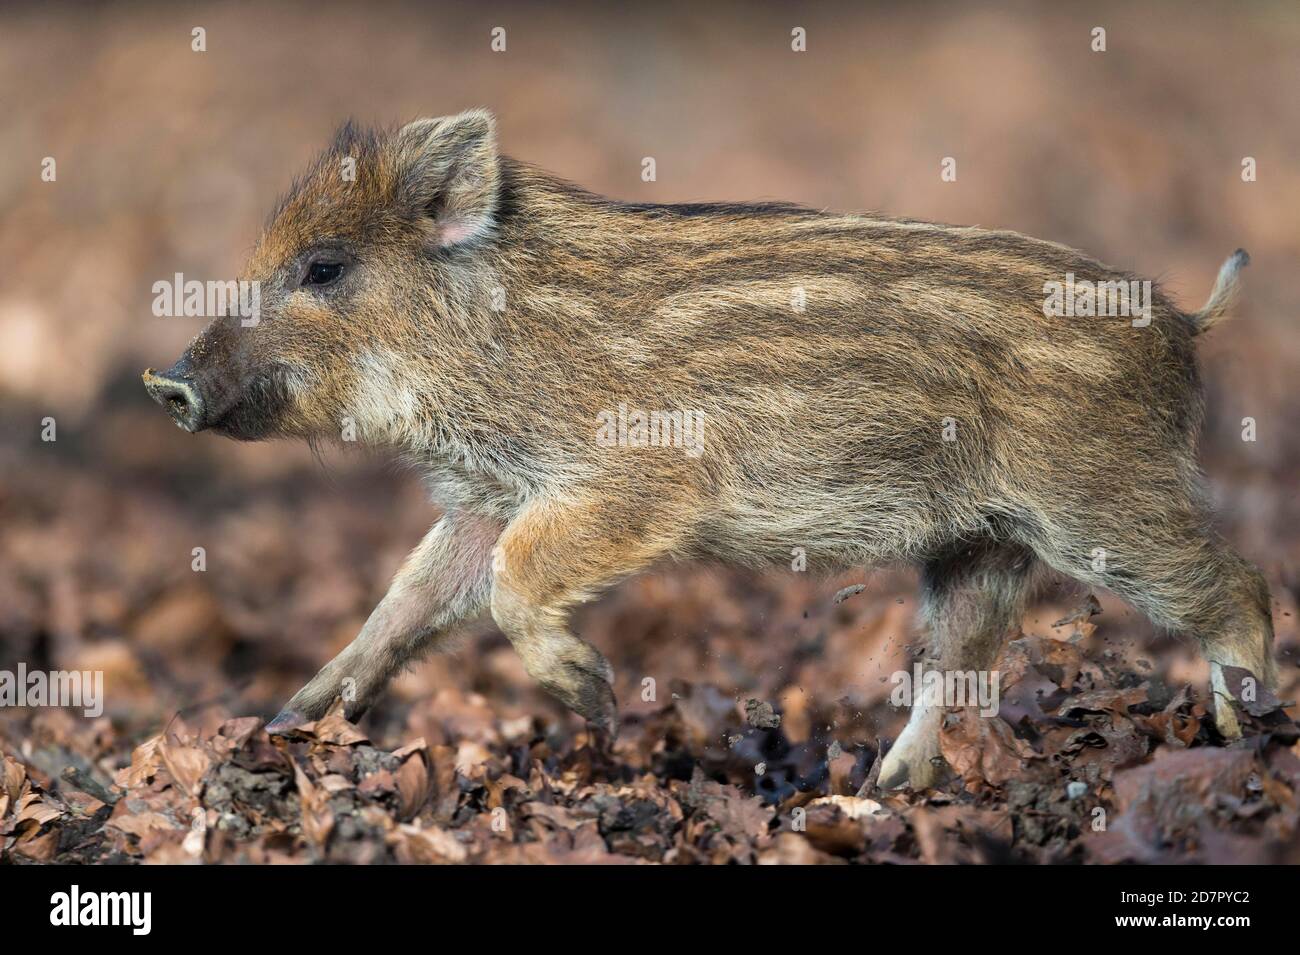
[[866, 389]]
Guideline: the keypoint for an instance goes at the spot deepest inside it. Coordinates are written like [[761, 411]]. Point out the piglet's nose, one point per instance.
[[174, 389]]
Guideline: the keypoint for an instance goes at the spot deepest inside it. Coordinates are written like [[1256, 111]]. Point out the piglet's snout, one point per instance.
[[177, 391]]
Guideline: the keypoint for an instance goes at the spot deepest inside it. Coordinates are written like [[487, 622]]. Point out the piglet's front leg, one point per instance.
[[446, 580]]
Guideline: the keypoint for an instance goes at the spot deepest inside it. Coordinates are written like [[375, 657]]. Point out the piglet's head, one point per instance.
[[366, 255]]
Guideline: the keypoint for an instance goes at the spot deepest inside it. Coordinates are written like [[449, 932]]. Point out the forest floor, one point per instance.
[[755, 712]]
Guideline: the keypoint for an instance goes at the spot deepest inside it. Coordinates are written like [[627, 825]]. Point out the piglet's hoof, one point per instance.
[[285, 722]]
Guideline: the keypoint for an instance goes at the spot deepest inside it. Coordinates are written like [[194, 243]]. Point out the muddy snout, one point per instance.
[[177, 391]]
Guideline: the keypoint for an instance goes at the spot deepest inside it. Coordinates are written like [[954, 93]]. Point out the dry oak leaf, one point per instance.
[[854, 807], [1105, 700], [1171, 725], [831, 824], [317, 818], [36, 845], [1079, 620], [139, 823], [1057, 660], [233, 734], [790, 848], [186, 762], [415, 845], [145, 763], [982, 749], [33, 807], [333, 728], [738, 816], [1250, 693], [14, 774], [414, 783]]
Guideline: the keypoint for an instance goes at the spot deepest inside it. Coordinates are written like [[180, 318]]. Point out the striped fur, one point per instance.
[[491, 312]]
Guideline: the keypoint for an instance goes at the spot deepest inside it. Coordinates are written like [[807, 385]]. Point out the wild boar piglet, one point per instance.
[[592, 386]]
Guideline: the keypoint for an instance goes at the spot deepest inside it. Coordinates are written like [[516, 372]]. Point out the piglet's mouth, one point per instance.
[[257, 412]]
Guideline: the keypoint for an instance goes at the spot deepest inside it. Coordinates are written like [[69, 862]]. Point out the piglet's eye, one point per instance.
[[323, 273]]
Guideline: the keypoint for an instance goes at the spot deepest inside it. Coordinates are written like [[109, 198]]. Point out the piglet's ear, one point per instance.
[[449, 170]]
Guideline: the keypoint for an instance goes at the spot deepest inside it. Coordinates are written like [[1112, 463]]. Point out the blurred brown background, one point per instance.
[[168, 160]]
